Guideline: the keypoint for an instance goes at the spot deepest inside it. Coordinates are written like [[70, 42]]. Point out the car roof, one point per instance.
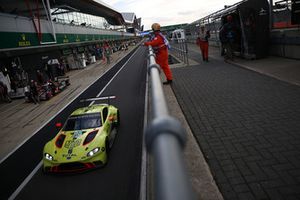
[[89, 109]]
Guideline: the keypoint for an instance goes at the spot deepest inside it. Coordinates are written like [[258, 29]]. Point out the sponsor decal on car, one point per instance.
[[70, 144]]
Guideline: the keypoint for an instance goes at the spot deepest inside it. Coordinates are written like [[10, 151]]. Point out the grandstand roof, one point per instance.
[[129, 17], [93, 7]]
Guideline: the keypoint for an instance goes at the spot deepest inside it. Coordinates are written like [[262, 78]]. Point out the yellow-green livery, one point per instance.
[[84, 140]]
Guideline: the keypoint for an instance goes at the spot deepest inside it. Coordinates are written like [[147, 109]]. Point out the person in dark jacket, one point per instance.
[[228, 34]]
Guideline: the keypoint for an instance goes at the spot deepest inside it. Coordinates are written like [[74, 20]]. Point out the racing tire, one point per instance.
[[117, 123]]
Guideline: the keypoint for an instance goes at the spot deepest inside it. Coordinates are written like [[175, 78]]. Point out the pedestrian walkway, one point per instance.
[[19, 120], [287, 70], [246, 123]]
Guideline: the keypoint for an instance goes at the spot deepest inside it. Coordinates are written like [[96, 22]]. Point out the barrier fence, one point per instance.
[[180, 50], [165, 140]]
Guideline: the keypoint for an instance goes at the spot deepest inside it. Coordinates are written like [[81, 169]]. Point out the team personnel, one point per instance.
[[160, 46], [202, 41]]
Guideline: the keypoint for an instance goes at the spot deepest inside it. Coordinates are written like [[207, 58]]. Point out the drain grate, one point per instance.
[[172, 60]]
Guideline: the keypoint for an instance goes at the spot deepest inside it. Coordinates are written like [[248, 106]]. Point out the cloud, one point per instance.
[[185, 13]]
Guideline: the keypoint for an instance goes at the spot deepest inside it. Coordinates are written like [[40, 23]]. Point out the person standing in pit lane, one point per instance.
[[34, 93], [107, 52], [160, 46]]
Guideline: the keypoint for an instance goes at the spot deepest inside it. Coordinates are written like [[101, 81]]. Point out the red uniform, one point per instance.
[[161, 52], [202, 41]]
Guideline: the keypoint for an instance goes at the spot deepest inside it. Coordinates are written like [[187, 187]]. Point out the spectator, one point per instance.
[[228, 34], [160, 45]]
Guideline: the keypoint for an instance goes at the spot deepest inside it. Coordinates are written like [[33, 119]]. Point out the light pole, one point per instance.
[[270, 14]]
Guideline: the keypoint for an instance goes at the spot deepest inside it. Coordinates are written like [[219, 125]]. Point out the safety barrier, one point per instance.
[[165, 140], [180, 50]]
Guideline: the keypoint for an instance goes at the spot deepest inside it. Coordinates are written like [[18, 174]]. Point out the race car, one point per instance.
[[84, 141]]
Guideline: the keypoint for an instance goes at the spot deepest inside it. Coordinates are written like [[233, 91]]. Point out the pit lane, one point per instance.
[[120, 178]]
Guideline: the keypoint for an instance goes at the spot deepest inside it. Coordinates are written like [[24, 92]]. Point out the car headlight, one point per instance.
[[48, 156], [93, 152]]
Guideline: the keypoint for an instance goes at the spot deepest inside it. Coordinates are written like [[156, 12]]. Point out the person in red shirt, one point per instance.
[[160, 47]]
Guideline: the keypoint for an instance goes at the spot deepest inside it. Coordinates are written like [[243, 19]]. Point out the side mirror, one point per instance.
[[58, 125]]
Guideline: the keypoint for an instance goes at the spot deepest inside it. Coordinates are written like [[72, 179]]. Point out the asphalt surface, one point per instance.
[[119, 179], [247, 126]]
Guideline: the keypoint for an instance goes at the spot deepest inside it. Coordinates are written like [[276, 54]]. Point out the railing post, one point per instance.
[[186, 52], [179, 49], [165, 139]]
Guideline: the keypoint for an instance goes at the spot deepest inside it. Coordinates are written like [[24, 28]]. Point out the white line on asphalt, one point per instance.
[[54, 116], [114, 76], [143, 184], [27, 179]]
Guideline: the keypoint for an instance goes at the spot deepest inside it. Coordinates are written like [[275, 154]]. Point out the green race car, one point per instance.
[[84, 141]]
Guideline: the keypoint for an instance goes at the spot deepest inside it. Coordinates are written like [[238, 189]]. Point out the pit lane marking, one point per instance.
[[29, 177]]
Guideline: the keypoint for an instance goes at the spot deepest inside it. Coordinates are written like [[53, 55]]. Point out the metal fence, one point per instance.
[[180, 50], [165, 139]]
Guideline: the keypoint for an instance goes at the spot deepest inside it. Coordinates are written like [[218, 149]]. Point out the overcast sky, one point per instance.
[[169, 12]]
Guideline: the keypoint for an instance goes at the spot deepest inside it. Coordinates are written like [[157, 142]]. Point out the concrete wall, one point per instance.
[[285, 43]]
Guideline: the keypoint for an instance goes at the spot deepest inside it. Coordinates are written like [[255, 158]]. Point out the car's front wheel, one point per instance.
[[117, 123]]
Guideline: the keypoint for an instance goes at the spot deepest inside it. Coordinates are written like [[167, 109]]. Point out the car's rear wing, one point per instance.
[[108, 98]]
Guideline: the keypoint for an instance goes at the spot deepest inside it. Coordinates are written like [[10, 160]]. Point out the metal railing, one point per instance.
[[165, 140], [180, 50]]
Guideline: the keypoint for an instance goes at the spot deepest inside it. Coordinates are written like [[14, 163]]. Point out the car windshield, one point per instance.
[[86, 121]]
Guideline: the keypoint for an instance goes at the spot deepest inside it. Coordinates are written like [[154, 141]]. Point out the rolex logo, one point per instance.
[[23, 37], [23, 42]]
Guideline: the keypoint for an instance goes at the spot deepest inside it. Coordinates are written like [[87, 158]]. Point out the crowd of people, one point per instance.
[[227, 34], [52, 69], [44, 82], [105, 50]]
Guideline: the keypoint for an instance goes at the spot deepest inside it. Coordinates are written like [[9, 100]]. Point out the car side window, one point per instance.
[[105, 112]]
